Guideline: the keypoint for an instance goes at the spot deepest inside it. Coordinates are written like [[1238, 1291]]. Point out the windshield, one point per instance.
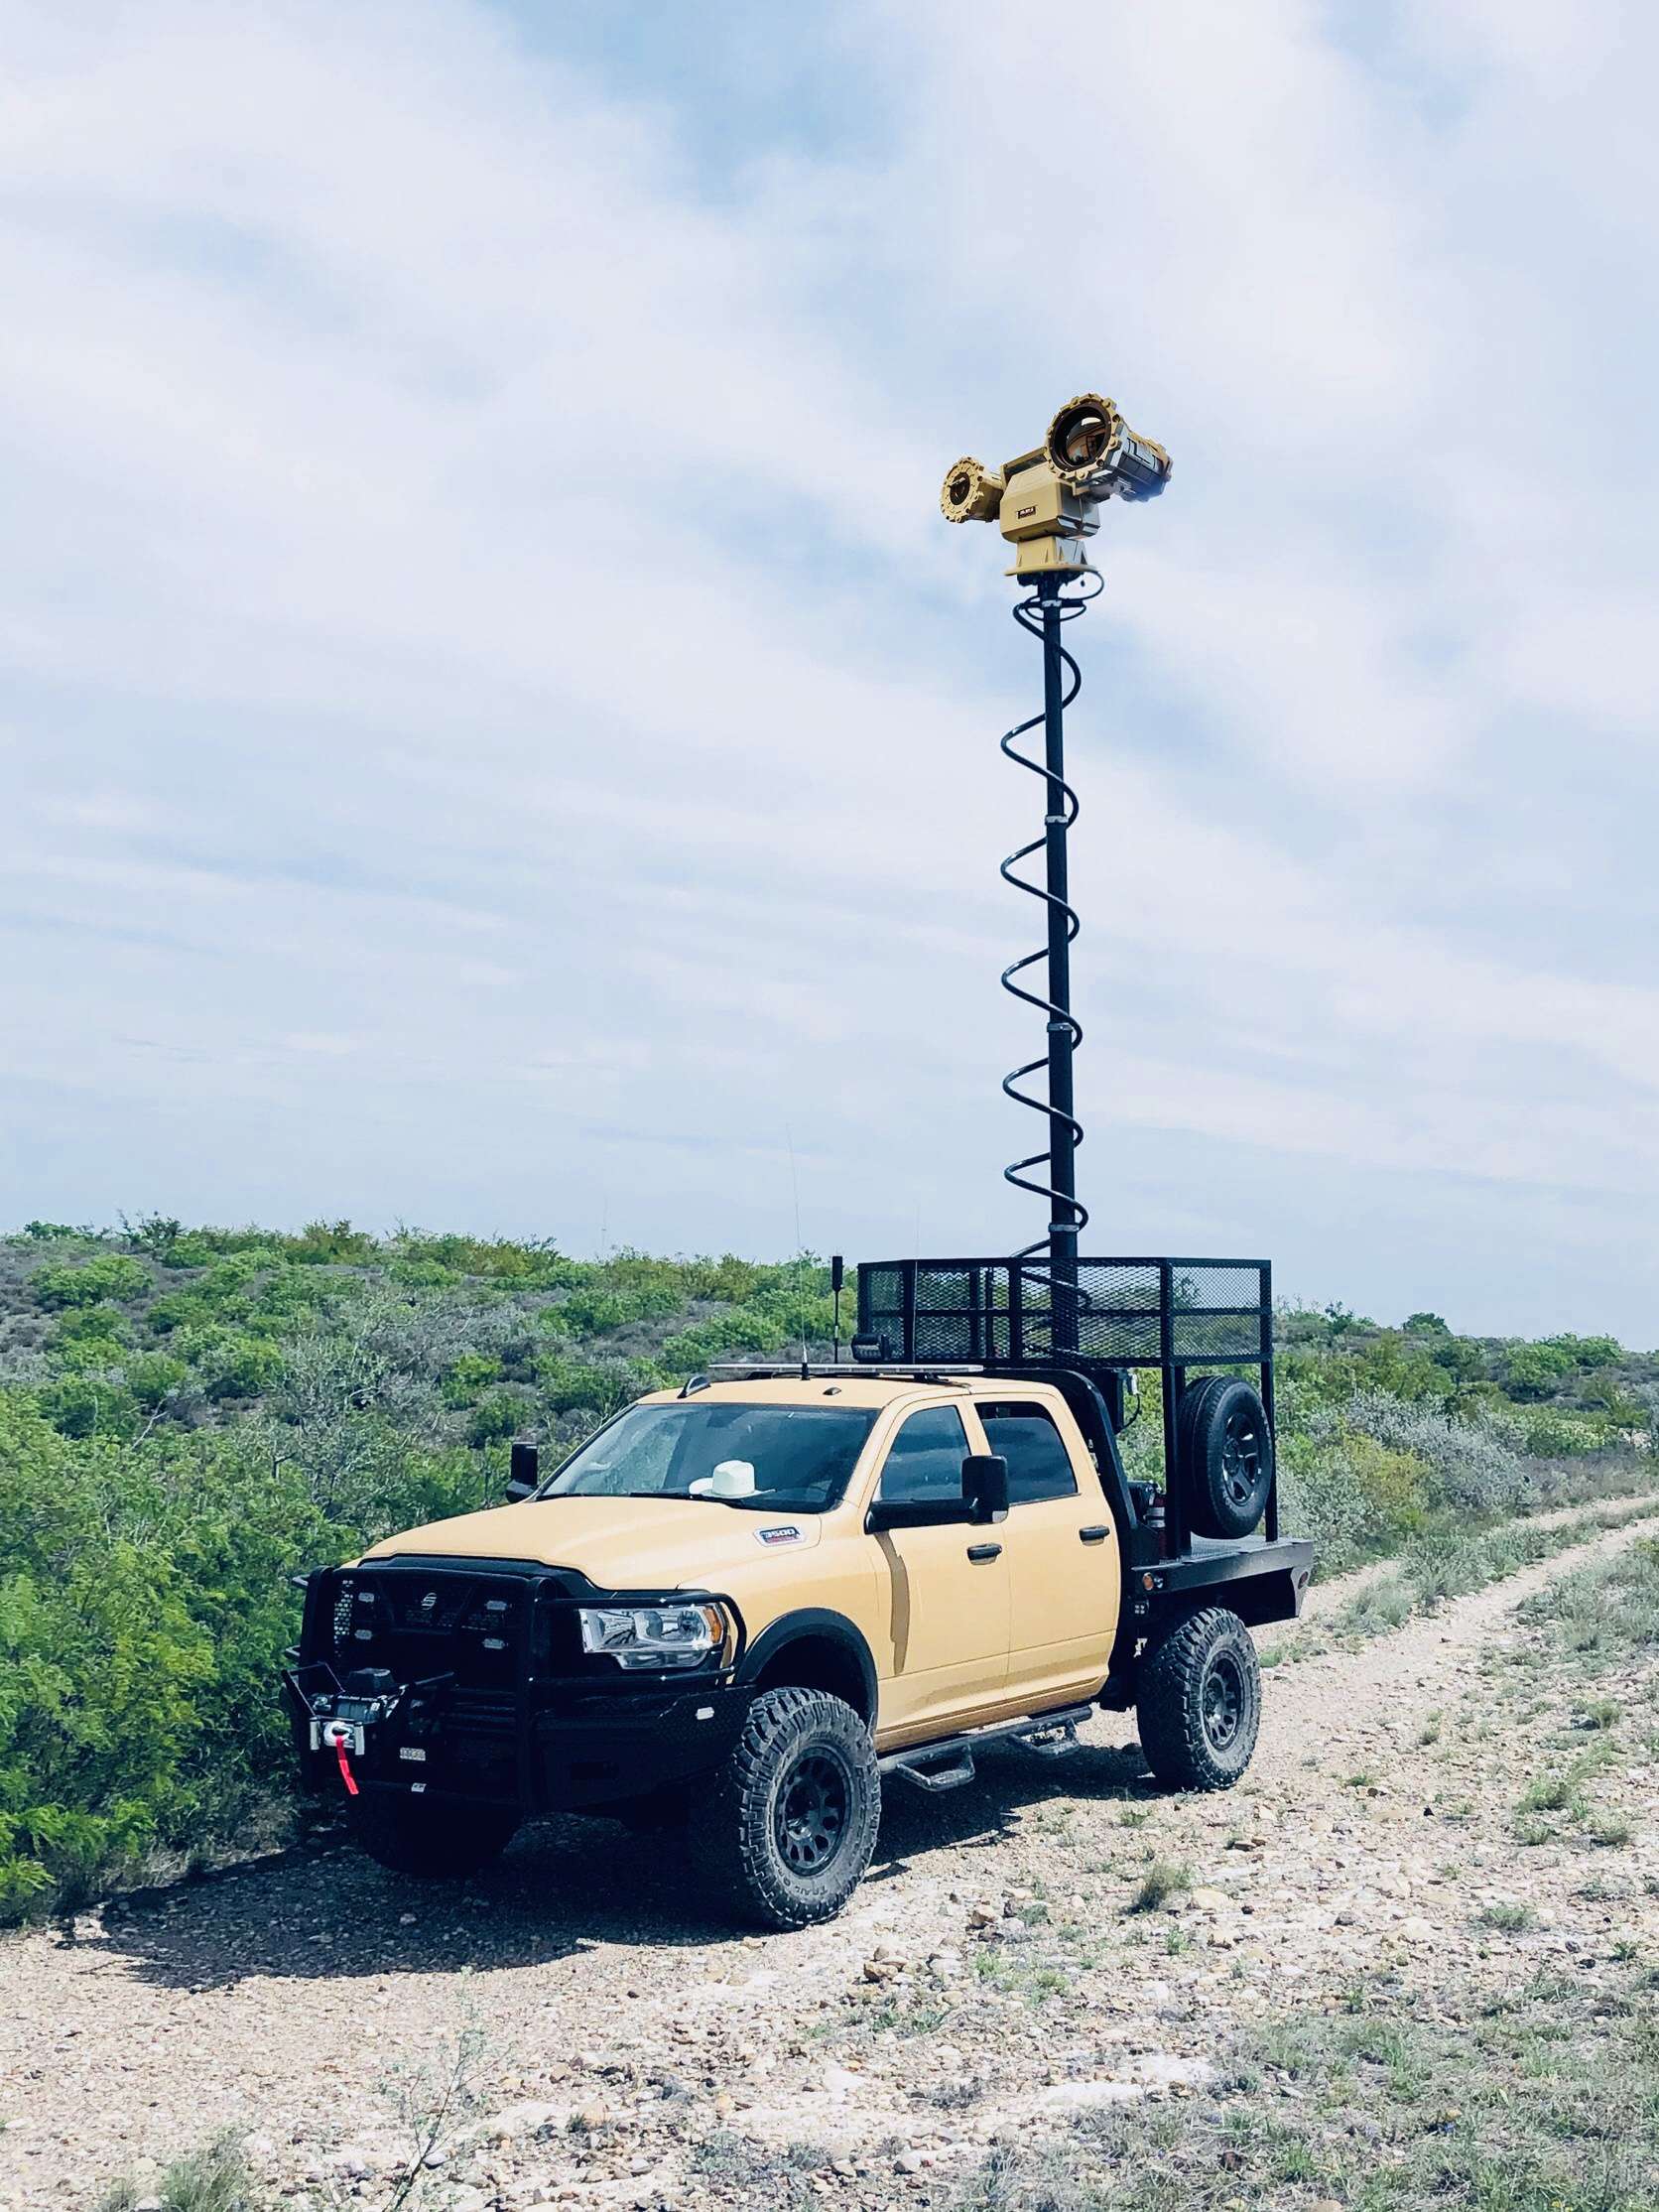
[[793, 1458]]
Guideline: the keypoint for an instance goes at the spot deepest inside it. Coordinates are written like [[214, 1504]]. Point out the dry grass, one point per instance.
[[1538, 2103]]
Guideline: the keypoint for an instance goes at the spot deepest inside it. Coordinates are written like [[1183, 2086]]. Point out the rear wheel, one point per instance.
[[795, 1812], [1200, 1702], [415, 1836]]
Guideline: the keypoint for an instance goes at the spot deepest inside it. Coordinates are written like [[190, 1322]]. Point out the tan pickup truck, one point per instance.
[[750, 1601]]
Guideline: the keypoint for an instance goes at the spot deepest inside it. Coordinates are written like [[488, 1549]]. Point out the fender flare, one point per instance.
[[819, 1624]]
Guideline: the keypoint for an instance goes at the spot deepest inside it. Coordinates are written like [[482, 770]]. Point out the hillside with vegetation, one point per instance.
[[187, 1416]]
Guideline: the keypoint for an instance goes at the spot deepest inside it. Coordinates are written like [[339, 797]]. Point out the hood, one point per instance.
[[618, 1543]]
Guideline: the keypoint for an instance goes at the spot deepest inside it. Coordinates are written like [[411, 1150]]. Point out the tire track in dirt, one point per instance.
[[1394, 1680], [1325, 1596]]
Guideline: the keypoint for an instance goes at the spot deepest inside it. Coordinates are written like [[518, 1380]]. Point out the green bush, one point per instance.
[[1557, 1436], [1533, 1371], [63, 1283], [153, 1378], [89, 1336], [331, 1245], [96, 1404], [468, 1377], [231, 1363], [155, 1234], [99, 1665], [495, 1419]]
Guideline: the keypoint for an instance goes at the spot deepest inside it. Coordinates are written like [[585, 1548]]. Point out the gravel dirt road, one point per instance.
[[990, 1974]]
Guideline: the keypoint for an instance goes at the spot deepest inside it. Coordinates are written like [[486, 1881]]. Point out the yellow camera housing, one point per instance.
[[1091, 447], [1046, 502], [970, 492]]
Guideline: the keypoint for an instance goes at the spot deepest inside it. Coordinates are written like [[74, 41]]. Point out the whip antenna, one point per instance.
[[800, 1279]]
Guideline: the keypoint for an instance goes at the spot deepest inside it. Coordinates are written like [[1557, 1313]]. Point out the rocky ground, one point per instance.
[[1435, 1818]]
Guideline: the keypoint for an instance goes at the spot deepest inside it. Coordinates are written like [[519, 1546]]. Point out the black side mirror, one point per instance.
[[524, 1472], [985, 1487]]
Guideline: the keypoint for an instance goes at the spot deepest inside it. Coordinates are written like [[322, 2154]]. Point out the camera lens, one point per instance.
[[1083, 433]]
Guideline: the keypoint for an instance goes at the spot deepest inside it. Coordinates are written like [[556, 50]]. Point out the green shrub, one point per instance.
[[155, 1234], [1393, 1484], [495, 1419], [96, 1404], [1554, 1435], [153, 1378], [192, 1249], [99, 1662], [110, 1275], [214, 2178], [1533, 1371], [467, 1378], [595, 1388], [587, 1313], [424, 1274], [539, 1266], [89, 1336], [78, 1324], [331, 1245], [230, 1362]]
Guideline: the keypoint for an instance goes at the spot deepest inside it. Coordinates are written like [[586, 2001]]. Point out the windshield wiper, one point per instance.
[[771, 1505]]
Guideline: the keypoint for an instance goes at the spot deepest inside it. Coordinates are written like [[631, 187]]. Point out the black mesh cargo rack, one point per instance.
[[1123, 1313]]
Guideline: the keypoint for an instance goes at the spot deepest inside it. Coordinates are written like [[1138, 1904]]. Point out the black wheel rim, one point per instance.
[[1241, 1461], [1223, 1696], [810, 1822]]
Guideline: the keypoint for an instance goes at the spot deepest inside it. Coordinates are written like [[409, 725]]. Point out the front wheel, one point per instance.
[[795, 1812], [415, 1836], [1200, 1702]]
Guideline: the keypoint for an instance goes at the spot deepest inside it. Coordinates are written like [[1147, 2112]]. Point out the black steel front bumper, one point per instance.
[[580, 1749], [496, 1721]]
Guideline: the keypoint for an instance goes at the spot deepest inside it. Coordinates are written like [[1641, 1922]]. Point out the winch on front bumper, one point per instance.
[[467, 1681]]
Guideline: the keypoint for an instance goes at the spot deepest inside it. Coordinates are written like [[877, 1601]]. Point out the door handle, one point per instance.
[[978, 1553], [1093, 1535]]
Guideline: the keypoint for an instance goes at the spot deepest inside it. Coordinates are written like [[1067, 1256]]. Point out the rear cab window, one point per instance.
[[1023, 1432]]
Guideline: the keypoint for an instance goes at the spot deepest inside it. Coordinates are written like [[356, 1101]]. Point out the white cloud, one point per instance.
[[497, 731]]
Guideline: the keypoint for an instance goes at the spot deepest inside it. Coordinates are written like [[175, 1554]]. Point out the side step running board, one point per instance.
[[949, 1764]]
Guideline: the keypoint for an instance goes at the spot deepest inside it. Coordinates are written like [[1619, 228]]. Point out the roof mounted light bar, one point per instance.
[[754, 1371]]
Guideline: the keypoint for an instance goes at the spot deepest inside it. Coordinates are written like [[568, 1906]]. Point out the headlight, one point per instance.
[[654, 1637]]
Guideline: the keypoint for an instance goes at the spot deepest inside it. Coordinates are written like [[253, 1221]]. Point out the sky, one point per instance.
[[495, 733]]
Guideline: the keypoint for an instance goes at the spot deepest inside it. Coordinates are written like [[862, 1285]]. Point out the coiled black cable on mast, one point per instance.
[[1040, 614]]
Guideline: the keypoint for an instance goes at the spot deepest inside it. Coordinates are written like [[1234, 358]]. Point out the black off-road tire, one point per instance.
[[1200, 1702], [1226, 1455], [795, 1811], [414, 1836]]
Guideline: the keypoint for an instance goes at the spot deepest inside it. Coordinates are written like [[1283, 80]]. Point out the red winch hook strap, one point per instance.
[[346, 1775]]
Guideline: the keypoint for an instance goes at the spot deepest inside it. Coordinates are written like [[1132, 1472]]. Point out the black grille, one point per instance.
[[421, 1623], [1124, 1312]]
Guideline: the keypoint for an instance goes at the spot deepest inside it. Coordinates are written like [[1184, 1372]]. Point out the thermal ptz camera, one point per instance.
[[1046, 502], [1091, 447]]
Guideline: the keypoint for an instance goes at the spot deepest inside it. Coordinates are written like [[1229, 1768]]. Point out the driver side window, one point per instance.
[[925, 1460]]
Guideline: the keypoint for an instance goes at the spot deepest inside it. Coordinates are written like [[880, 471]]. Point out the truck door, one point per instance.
[[1061, 1552], [944, 1590]]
